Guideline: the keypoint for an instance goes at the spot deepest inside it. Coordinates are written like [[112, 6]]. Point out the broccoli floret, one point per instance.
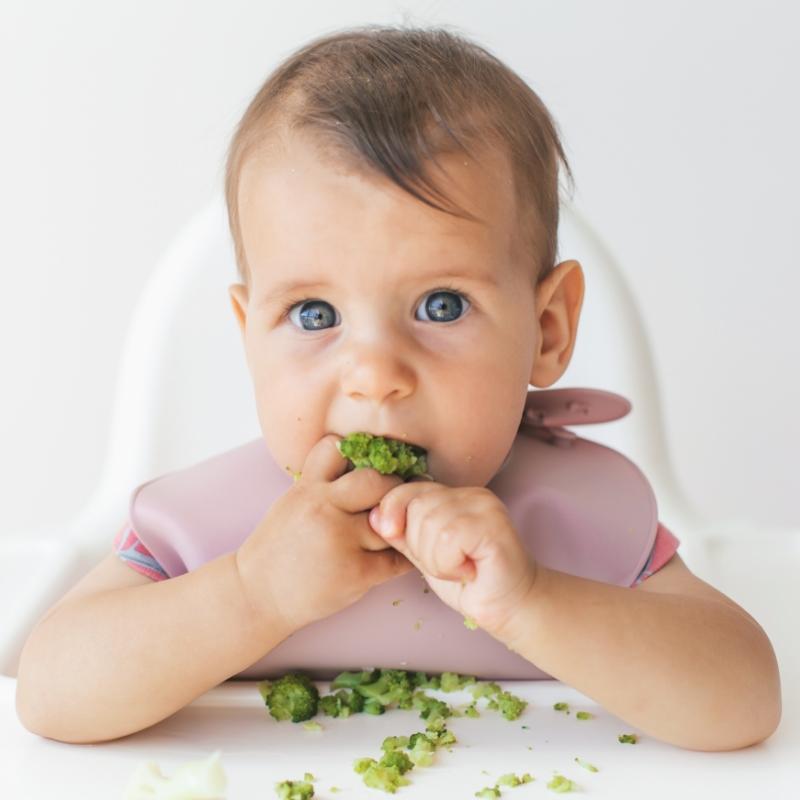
[[509, 705], [421, 749], [391, 743], [584, 715], [485, 689], [510, 779], [430, 708], [294, 790], [470, 623], [488, 793], [453, 682], [341, 704], [422, 681], [586, 764], [627, 738], [384, 686], [293, 696], [561, 784], [379, 775], [397, 759], [471, 710], [349, 680], [388, 456], [561, 707]]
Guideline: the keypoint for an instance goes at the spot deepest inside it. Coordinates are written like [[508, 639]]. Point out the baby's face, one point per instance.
[[413, 323]]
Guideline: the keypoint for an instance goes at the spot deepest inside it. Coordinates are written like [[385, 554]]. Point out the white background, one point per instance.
[[680, 121]]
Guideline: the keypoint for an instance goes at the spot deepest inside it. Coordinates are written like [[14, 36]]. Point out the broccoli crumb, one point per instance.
[[294, 790], [561, 707], [312, 726], [510, 779], [628, 738], [584, 715], [396, 602], [387, 456], [561, 784], [488, 792], [470, 623], [586, 765], [334, 789]]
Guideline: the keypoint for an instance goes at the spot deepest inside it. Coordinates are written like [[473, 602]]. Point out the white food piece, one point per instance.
[[195, 780]]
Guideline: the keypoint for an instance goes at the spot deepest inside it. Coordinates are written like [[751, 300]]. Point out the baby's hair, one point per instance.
[[389, 99]]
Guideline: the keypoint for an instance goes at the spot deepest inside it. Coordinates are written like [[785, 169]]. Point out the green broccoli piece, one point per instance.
[[388, 456], [294, 790], [627, 738], [509, 705], [422, 681], [485, 689], [430, 708], [584, 715], [421, 749], [510, 779], [293, 696], [453, 682], [586, 764], [471, 710], [392, 743], [488, 793], [388, 687], [374, 706], [561, 707], [397, 759], [561, 784], [378, 775], [470, 623], [349, 680], [341, 704]]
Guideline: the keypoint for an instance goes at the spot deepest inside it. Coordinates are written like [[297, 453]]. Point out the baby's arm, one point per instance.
[[673, 657], [120, 652]]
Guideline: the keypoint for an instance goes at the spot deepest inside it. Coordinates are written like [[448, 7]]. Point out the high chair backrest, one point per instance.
[[184, 392]]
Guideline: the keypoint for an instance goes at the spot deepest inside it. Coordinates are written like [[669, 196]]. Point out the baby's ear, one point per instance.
[[239, 298]]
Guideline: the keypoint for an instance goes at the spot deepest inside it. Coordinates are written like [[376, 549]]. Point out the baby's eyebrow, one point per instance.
[[285, 288]]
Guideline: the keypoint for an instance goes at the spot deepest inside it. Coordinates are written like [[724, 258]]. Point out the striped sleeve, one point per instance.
[[664, 547], [128, 547]]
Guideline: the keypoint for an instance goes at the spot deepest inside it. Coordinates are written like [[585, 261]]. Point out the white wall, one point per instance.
[[680, 121]]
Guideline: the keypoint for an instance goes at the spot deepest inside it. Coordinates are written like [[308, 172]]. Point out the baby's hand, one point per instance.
[[464, 543]]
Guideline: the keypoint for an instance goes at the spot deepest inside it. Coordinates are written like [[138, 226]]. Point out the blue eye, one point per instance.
[[442, 305], [313, 314]]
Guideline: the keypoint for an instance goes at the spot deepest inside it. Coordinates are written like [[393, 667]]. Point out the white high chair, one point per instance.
[[184, 393]]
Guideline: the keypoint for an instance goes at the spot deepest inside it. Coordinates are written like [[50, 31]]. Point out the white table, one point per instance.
[[257, 751]]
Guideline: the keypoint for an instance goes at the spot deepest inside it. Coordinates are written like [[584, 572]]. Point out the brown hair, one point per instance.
[[390, 98]]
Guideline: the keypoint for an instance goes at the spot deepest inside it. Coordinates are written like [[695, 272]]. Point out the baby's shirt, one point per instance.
[[138, 557]]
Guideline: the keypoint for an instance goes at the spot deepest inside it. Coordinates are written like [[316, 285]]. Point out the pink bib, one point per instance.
[[579, 507]]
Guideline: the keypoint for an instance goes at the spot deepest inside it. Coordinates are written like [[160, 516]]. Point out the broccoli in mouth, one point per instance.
[[388, 456]]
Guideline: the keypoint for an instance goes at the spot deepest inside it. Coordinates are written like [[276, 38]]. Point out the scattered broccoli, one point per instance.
[[294, 790], [561, 707], [421, 750], [584, 715], [388, 456], [293, 696], [471, 710], [488, 793], [470, 623], [627, 738], [510, 779], [422, 681], [561, 784], [509, 705], [586, 764], [485, 689], [312, 726]]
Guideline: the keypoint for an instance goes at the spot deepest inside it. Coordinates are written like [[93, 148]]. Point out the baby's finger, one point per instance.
[[361, 489], [389, 519], [448, 550], [324, 462]]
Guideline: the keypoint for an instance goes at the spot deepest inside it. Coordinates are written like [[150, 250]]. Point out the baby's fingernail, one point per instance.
[[375, 518]]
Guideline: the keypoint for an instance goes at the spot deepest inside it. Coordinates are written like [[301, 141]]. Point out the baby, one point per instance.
[[393, 200]]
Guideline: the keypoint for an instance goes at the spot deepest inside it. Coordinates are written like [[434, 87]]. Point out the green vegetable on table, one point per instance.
[[295, 790], [293, 696]]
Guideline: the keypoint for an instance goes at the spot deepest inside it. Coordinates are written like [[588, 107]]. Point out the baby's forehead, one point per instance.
[[292, 180]]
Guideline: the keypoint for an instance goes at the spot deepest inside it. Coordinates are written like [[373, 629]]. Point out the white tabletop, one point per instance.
[[257, 751]]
